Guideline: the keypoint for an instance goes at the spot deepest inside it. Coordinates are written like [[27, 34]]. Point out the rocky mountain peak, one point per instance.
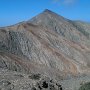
[[48, 11]]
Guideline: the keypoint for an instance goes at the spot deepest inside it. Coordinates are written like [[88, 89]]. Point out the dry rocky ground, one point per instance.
[[12, 80]]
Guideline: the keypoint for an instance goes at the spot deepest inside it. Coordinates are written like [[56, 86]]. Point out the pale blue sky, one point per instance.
[[13, 11]]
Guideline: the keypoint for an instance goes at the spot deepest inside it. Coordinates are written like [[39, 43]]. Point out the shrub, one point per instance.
[[85, 86], [34, 76]]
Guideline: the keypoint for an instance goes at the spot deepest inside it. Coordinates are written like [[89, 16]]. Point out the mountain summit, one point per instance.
[[64, 27], [48, 44], [47, 10]]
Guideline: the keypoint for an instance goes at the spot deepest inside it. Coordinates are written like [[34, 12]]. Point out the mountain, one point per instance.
[[72, 30], [48, 44]]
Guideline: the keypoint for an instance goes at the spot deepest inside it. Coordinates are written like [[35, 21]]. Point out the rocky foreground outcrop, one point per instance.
[[13, 80], [10, 80]]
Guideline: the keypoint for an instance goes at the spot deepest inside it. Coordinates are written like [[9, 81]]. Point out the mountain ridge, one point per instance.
[[49, 40]]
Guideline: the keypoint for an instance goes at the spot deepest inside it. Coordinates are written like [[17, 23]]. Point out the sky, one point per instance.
[[14, 11]]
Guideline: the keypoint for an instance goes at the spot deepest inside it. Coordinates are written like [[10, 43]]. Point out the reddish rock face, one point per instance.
[[48, 44]]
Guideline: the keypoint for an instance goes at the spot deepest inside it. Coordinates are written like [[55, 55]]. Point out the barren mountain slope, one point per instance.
[[72, 30], [45, 44]]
